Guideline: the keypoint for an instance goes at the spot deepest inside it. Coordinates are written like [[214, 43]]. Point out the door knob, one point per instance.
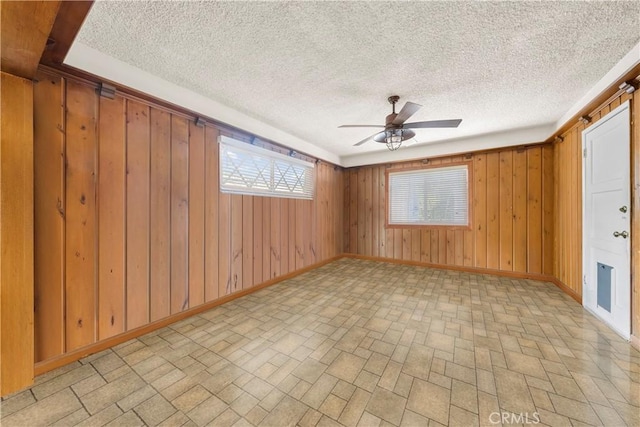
[[623, 209], [624, 234]]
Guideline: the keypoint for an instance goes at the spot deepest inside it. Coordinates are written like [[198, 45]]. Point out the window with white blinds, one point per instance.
[[433, 196], [247, 169]]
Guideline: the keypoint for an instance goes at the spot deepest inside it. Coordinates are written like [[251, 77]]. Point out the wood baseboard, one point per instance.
[[64, 359], [635, 342], [476, 270], [72, 356], [514, 274], [567, 290]]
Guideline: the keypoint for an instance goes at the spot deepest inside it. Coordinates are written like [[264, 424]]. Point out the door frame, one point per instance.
[[625, 106]]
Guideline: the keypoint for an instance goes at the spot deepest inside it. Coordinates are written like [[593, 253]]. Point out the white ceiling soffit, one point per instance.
[[293, 72]]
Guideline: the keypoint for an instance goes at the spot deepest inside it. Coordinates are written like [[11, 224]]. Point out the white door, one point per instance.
[[606, 219]]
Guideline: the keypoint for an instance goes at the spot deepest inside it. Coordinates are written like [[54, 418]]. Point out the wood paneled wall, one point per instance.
[[130, 224], [567, 215], [16, 234], [511, 215]]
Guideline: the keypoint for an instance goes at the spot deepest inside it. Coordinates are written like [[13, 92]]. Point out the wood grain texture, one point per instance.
[[274, 242], [68, 21], [16, 239], [534, 210], [247, 242], [196, 214], [506, 193], [520, 219], [236, 243], [80, 211], [160, 215], [224, 245], [258, 222], [212, 189], [24, 29], [112, 167], [548, 218], [138, 174], [49, 203], [179, 214], [153, 227]]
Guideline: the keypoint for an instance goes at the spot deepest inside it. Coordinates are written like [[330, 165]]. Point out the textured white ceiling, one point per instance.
[[305, 68]]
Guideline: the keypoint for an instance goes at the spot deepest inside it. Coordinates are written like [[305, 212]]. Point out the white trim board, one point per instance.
[[95, 62]]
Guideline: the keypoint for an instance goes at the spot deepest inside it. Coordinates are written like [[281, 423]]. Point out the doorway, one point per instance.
[[606, 214]]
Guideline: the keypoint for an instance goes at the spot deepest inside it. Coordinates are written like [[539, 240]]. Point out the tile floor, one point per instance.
[[357, 343]]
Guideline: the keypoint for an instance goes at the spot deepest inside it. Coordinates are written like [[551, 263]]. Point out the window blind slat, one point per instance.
[[435, 196]]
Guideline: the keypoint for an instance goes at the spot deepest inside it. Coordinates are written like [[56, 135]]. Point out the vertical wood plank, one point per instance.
[[318, 212], [520, 210], [266, 238], [435, 241], [361, 210], [450, 247], [292, 234], [179, 214], [382, 231], [368, 210], [212, 189], [236, 243], [196, 214], [247, 242], [534, 210], [306, 236], [224, 244], [353, 211], [375, 212], [16, 238], [459, 247], [575, 230], [257, 239], [300, 224], [469, 248], [506, 210], [425, 245], [493, 210], [548, 174], [346, 203], [274, 247], [49, 203], [415, 244], [160, 215], [406, 244], [284, 236], [80, 232], [138, 175], [111, 217]]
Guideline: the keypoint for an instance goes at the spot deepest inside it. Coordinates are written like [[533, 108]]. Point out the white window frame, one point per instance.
[[251, 170], [397, 223]]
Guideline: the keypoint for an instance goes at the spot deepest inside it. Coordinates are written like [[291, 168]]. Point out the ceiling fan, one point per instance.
[[396, 130]]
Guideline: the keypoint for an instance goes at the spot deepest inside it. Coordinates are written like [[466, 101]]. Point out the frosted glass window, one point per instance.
[[247, 169]]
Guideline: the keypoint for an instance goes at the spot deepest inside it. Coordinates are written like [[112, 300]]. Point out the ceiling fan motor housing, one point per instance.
[[389, 122]]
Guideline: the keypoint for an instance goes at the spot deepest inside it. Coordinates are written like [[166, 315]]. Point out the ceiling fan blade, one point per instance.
[[433, 124], [368, 138], [360, 126], [408, 110]]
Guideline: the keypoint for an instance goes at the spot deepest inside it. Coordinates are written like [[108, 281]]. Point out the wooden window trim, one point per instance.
[[469, 226]]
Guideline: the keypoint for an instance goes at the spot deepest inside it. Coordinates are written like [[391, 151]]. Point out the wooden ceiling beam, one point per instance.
[[25, 27], [65, 28]]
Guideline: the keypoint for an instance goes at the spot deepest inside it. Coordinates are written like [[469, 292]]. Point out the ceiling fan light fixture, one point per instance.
[[393, 139]]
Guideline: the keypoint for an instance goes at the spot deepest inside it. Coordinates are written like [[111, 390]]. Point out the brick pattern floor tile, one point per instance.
[[357, 343]]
